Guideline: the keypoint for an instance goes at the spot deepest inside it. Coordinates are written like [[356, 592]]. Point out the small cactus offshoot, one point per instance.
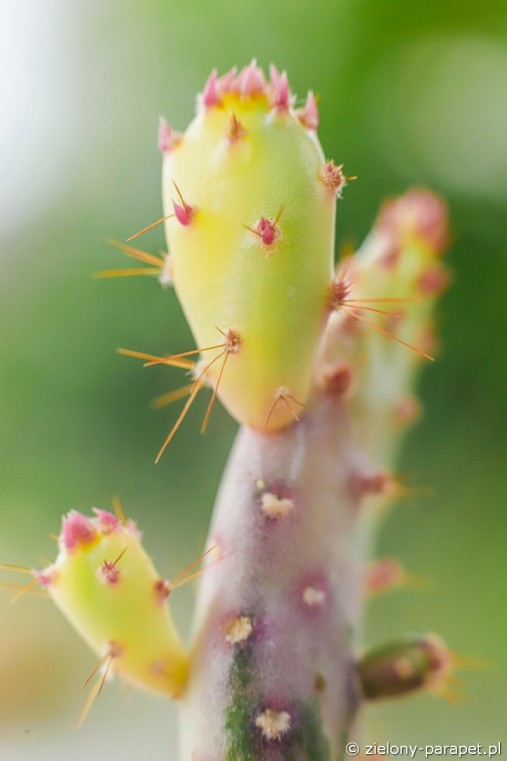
[[404, 666], [319, 366], [106, 585]]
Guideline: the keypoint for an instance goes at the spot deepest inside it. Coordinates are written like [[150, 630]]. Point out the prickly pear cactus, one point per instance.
[[251, 238], [106, 585], [319, 367]]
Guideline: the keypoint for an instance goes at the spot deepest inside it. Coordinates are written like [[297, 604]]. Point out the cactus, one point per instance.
[[105, 584], [319, 368]]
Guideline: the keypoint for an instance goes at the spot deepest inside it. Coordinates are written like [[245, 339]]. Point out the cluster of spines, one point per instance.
[[250, 82]]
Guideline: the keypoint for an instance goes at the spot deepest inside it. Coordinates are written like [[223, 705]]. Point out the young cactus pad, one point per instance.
[[401, 667], [250, 202], [107, 587]]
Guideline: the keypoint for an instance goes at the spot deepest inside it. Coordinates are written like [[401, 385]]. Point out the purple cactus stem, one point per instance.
[[312, 592]]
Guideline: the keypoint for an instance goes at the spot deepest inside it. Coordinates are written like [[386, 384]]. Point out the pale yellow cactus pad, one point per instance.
[[251, 238], [107, 587]]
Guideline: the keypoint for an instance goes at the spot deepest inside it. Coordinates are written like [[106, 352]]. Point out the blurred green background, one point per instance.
[[410, 93]]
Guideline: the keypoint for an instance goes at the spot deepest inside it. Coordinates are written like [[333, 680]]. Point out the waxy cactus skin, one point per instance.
[[319, 367], [107, 587], [252, 242]]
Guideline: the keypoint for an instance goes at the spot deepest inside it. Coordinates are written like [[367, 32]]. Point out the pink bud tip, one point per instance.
[[77, 530], [45, 577], [420, 214], [309, 115], [167, 138], [107, 521], [251, 80], [226, 83], [183, 213], [210, 96], [280, 92]]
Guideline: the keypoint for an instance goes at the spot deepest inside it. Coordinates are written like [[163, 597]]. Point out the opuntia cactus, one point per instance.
[[319, 368], [252, 242], [106, 585]]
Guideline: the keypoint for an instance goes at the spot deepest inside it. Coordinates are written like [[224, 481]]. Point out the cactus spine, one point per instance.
[[319, 368]]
